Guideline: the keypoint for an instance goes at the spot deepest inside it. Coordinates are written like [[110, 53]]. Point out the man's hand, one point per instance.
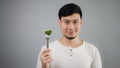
[[46, 58]]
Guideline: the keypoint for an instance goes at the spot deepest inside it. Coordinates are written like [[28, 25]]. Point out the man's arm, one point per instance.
[[97, 63]]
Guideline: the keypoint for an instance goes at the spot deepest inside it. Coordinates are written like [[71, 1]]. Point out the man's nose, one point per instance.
[[71, 26]]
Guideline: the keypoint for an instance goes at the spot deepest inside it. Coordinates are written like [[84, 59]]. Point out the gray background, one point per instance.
[[22, 25]]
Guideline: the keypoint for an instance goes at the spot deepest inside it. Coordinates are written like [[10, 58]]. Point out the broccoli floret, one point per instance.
[[48, 32]]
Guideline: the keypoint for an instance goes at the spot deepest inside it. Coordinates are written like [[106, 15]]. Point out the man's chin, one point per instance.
[[70, 38]]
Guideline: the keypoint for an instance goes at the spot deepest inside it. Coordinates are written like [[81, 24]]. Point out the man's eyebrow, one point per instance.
[[76, 19], [66, 20]]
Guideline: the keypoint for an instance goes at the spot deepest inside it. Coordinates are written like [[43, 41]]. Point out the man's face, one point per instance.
[[70, 25]]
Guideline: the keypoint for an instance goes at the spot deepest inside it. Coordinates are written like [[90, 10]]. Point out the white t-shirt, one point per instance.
[[84, 56]]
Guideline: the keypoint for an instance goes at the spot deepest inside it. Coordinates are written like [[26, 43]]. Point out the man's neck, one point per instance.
[[76, 42]]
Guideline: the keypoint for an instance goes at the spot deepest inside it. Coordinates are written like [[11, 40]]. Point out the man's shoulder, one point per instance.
[[90, 46], [91, 49]]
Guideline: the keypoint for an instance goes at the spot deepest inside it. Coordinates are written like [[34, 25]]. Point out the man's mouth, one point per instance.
[[70, 33]]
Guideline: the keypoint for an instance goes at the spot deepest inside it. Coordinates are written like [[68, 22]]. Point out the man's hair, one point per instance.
[[69, 9]]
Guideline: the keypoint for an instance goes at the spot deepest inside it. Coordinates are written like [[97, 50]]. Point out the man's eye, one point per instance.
[[67, 22], [75, 22]]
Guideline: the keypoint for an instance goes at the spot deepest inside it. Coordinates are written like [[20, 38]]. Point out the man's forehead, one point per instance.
[[73, 16], [70, 19]]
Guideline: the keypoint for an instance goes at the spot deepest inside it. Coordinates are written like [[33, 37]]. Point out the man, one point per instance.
[[69, 51]]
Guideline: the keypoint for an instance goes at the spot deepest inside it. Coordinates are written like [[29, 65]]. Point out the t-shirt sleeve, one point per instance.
[[39, 64], [96, 60]]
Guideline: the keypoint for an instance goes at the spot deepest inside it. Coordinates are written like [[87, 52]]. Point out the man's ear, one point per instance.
[[81, 21], [59, 21]]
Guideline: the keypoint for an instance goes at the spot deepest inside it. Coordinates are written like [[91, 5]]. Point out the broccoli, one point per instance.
[[48, 32]]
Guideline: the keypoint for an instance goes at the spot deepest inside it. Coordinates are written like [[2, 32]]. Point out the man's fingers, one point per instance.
[[45, 54], [46, 50]]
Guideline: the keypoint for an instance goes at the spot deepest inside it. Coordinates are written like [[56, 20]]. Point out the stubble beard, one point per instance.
[[70, 38]]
